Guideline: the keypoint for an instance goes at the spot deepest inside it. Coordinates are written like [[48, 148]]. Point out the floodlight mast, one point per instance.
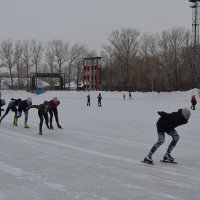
[[195, 41]]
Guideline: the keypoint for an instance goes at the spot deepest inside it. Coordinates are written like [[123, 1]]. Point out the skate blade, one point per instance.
[[167, 161], [147, 162]]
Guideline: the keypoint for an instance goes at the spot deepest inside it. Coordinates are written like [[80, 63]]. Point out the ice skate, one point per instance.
[[148, 160], [26, 125], [168, 157], [15, 121]]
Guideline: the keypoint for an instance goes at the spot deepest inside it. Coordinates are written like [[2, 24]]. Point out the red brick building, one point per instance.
[[92, 73]]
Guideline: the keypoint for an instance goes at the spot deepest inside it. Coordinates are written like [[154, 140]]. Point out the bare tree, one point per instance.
[[61, 53], [37, 55], [50, 59], [19, 48], [123, 47], [75, 55], [149, 55], [171, 44], [26, 57], [8, 57]]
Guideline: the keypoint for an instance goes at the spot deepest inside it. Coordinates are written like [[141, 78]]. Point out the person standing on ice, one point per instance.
[[124, 95], [88, 100], [130, 97], [167, 124], [53, 104], [193, 102], [2, 103], [42, 113], [23, 106], [99, 99], [13, 106]]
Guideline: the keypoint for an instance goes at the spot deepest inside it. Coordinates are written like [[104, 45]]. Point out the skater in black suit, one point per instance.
[[43, 114], [167, 124], [99, 99]]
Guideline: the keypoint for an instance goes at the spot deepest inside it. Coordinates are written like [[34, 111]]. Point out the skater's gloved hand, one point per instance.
[[59, 126], [2, 109]]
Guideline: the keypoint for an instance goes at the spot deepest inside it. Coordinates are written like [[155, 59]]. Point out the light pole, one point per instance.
[[195, 40]]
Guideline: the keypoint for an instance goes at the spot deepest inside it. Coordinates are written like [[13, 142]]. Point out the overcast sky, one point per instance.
[[88, 21]]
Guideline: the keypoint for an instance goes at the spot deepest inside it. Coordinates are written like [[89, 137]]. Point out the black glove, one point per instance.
[[2, 109]]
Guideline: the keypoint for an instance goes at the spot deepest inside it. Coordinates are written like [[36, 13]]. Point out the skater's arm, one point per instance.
[[32, 106]]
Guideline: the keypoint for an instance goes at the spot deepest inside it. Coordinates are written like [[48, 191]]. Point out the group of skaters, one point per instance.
[[99, 98], [46, 111], [129, 96]]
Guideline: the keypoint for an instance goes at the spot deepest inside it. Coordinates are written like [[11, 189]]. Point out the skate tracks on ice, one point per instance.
[[74, 164]]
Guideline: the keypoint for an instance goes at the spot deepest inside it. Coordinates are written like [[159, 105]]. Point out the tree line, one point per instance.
[[23, 57], [131, 61], [150, 62]]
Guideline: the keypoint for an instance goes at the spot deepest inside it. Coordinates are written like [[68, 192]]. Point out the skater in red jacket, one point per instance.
[[193, 102], [53, 104]]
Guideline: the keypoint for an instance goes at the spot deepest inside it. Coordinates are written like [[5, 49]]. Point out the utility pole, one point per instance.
[[195, 41]]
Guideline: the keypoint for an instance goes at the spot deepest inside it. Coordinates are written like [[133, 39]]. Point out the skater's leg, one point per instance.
[[55, 112], [175, 138], [26, 119], [14, 109], [51, 118], [161, 140], [56, 117], [26, 116], [7, 111], [41, 122], [46, 120], [19, 114]]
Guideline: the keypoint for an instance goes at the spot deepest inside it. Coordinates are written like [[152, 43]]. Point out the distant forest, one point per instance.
[[131, 61]]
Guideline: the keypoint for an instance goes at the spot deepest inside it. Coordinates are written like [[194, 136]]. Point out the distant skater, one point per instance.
[[130, 97], [193, 102], [124, 95], [167, 124], [88, 100], [99, 100]]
